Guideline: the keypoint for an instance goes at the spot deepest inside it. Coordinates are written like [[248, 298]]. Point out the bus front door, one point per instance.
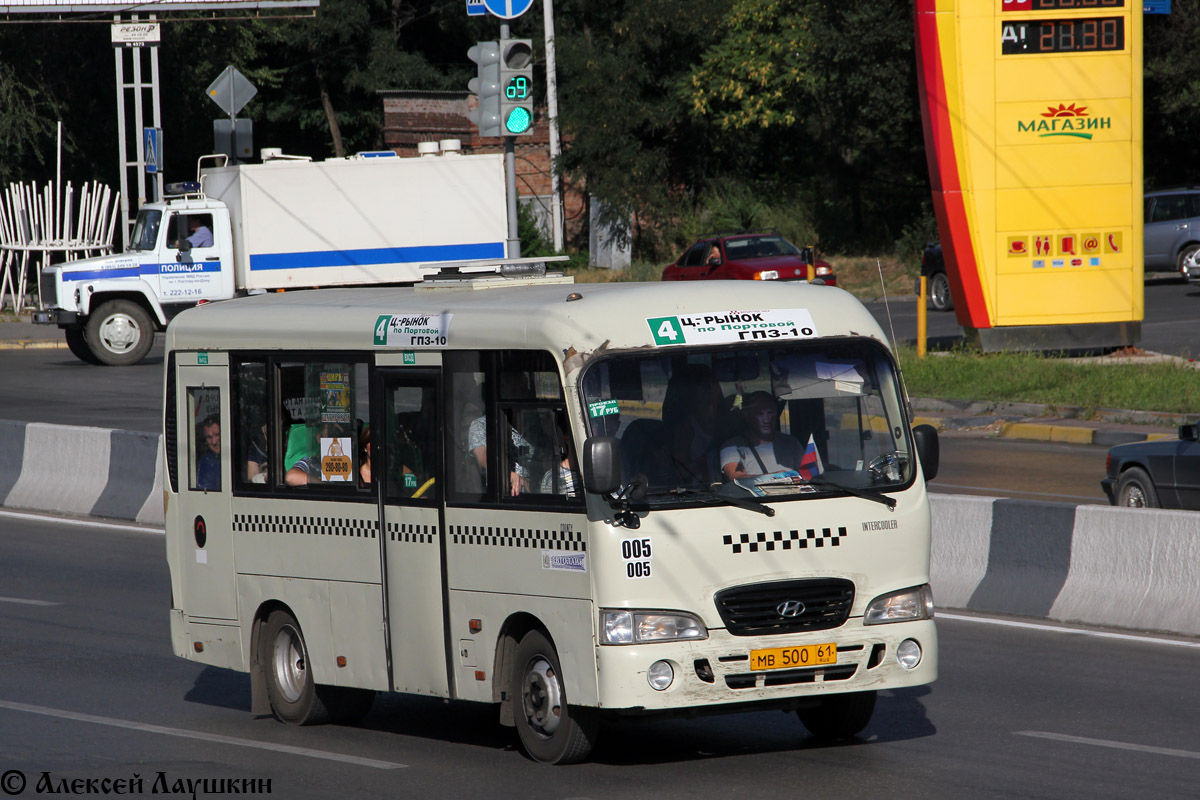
[[406, 431], [206, 556]]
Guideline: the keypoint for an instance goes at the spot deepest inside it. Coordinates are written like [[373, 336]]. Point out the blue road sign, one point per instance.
[[507, 9], [151, 149], [1156, 7], [476, 8]]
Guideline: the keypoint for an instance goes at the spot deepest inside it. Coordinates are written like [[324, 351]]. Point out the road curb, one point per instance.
[[33, 344]]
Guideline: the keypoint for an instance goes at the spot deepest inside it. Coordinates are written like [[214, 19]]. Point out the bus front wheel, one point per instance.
[[550, 731], [290, 687], [839, 716]]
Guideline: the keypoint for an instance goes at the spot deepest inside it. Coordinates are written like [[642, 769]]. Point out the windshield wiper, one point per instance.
[[737, 502], [878, 497]]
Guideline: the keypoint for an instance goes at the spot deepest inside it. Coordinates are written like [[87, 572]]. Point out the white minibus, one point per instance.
[[578, 502]]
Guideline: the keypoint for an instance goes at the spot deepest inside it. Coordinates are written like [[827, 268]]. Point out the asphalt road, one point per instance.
[[1169, 327], [90, 691]]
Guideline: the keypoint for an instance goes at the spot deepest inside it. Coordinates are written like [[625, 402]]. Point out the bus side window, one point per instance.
[[251, 458], [204, 442], [318, 425]]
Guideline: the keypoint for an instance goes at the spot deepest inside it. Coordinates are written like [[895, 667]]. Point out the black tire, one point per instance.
[[77, 344], [839, 716], [551, 731], [290, 688], [939, 292], [1181, 260], [1136, 490], [119, 333]]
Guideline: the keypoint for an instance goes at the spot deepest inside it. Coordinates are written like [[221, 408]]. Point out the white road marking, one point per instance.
[[90, 523], [207, 737], [935, 484], [23, 601], [1129, 637], [1137, 748]]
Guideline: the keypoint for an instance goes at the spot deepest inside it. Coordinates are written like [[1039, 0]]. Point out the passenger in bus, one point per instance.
[[566, 474], [761, 448], [518, 477], [256, 457], [208, 464]]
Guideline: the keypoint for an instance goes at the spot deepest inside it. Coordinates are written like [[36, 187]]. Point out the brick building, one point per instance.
[[414, 116]]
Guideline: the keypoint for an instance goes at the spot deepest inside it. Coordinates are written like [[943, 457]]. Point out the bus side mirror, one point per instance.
[[928, 450], [602, 464]]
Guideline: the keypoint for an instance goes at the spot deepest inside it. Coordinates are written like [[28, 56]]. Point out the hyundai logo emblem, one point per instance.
[[790, 608]]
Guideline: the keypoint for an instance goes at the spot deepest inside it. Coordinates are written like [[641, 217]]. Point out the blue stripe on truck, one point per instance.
[[377, 255]]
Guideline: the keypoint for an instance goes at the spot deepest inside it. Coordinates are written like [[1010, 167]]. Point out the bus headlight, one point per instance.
[[622, 626], [660, 676], [905, 605]]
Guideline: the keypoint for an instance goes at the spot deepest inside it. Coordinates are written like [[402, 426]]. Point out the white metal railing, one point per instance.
[[39, 226]]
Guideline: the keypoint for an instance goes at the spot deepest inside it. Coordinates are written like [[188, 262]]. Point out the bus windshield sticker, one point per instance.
[[720, 327], [412, 330], [604, 408]]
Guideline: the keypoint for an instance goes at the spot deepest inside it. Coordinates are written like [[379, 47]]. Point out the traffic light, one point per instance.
[[486, 86], [516, 85]]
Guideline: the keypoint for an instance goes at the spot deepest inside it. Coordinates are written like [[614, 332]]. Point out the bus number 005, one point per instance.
[[637, 569]]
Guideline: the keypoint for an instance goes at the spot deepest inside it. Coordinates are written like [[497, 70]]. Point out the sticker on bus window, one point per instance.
[[412, 330], [604, 408], [719, 327], [335, 459]]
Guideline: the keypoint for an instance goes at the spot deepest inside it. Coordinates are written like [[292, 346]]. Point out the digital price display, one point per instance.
[[1077, 35], [1057, 5]]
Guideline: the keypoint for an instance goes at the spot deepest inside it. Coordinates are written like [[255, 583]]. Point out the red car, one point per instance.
[[748, 257]]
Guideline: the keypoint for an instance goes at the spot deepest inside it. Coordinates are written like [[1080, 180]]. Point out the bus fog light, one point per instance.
[[660, 676], [908, 654]]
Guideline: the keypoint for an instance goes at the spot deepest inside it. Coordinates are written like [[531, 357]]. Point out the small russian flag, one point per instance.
[[810, 463]]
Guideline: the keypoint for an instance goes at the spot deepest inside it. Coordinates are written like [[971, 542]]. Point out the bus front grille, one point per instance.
[[785, 606]]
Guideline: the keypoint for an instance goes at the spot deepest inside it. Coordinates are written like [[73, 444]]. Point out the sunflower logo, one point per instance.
[[1065, 111]]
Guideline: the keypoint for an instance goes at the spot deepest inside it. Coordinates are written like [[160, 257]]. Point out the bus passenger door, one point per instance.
[[205, 438], [406, 453]]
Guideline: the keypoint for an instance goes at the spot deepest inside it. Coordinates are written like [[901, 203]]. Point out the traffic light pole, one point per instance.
[[510, 183]]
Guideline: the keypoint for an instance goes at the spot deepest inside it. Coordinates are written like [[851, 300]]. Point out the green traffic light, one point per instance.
[[518, 121]]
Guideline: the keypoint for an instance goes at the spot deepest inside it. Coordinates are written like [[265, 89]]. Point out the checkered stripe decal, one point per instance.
[[410, 533], [314, 526], [488, 536], [777, 540]]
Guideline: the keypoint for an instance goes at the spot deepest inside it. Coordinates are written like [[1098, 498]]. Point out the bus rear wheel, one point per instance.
[[290, 687], [550, 731], [839, 716]]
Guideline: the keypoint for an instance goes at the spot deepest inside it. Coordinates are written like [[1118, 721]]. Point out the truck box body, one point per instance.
[[283, 224], [298, 224]]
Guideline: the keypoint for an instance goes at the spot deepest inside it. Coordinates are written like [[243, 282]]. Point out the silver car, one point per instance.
[[1172, 232]]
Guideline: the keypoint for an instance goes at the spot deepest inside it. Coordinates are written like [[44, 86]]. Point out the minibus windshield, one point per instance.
[[771, 422]]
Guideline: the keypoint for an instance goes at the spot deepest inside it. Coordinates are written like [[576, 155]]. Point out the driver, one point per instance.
[[762, 449]]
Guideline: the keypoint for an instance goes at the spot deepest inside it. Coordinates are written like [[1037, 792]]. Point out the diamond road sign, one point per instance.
[[231, 91]]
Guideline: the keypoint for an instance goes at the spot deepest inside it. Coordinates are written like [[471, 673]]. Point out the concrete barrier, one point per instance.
[[95, 472], [1098, 565]]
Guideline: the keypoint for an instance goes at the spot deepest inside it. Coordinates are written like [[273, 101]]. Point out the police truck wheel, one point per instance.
[[1136, 490], [939, 292], [550, 731], [77, 344], [119, 333], [290, 687], [839, 716]]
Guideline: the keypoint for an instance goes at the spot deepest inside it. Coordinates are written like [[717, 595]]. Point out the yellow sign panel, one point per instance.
[[1033, 118]]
